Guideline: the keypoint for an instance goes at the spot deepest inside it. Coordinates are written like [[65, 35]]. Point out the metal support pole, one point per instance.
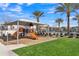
[[7, 38], [48, 30], [1, 30], [17, 32]]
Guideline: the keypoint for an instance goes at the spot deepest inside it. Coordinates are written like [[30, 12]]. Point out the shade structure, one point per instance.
[[23, 22]]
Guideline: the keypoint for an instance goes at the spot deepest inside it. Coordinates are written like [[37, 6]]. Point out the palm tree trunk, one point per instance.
[[37, 27], [37, 19], [68, 23], [59, 28]]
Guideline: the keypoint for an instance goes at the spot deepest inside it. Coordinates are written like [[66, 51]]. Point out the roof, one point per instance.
[[24, 22]]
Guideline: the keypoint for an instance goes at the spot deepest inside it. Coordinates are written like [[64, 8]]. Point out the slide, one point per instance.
[[15, 33], [33, 35]]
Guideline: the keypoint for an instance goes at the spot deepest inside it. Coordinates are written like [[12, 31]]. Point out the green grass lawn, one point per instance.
[[61, 47]]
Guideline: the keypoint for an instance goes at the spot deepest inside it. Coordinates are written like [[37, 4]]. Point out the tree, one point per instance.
[[37, 15], [77, 18], [67, 8], [59, 21]]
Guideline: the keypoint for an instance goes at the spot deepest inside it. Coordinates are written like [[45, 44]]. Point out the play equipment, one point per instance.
[[33, 35], [20, 31]]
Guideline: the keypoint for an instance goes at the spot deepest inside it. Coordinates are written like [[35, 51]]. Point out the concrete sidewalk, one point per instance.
[[4, 51], [28, 43]]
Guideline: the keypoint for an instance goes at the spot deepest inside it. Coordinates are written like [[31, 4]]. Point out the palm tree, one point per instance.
[[77, 18], [59, 21], [67, 8], [37, 15]]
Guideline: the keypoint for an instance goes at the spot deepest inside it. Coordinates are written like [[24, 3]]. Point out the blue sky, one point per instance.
[[15, 11]]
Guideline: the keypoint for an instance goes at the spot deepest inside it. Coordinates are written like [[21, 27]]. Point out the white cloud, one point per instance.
[[71, 17], [16, 9], [20, 3], [4, 5], [51, 10], [29, 4]]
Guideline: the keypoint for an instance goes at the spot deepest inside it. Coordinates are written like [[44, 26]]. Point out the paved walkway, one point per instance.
[[4, 51], [28, 43]]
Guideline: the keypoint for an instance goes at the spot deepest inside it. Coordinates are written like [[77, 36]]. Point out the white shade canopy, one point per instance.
[[24, 22]]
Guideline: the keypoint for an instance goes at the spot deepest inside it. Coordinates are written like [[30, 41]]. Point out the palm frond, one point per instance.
[[62, 4], [38, 13], [75, 5], [74, 18], [59, 20], [59, 9]]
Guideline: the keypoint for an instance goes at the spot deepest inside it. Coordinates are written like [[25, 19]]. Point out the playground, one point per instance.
[[22, 31]]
